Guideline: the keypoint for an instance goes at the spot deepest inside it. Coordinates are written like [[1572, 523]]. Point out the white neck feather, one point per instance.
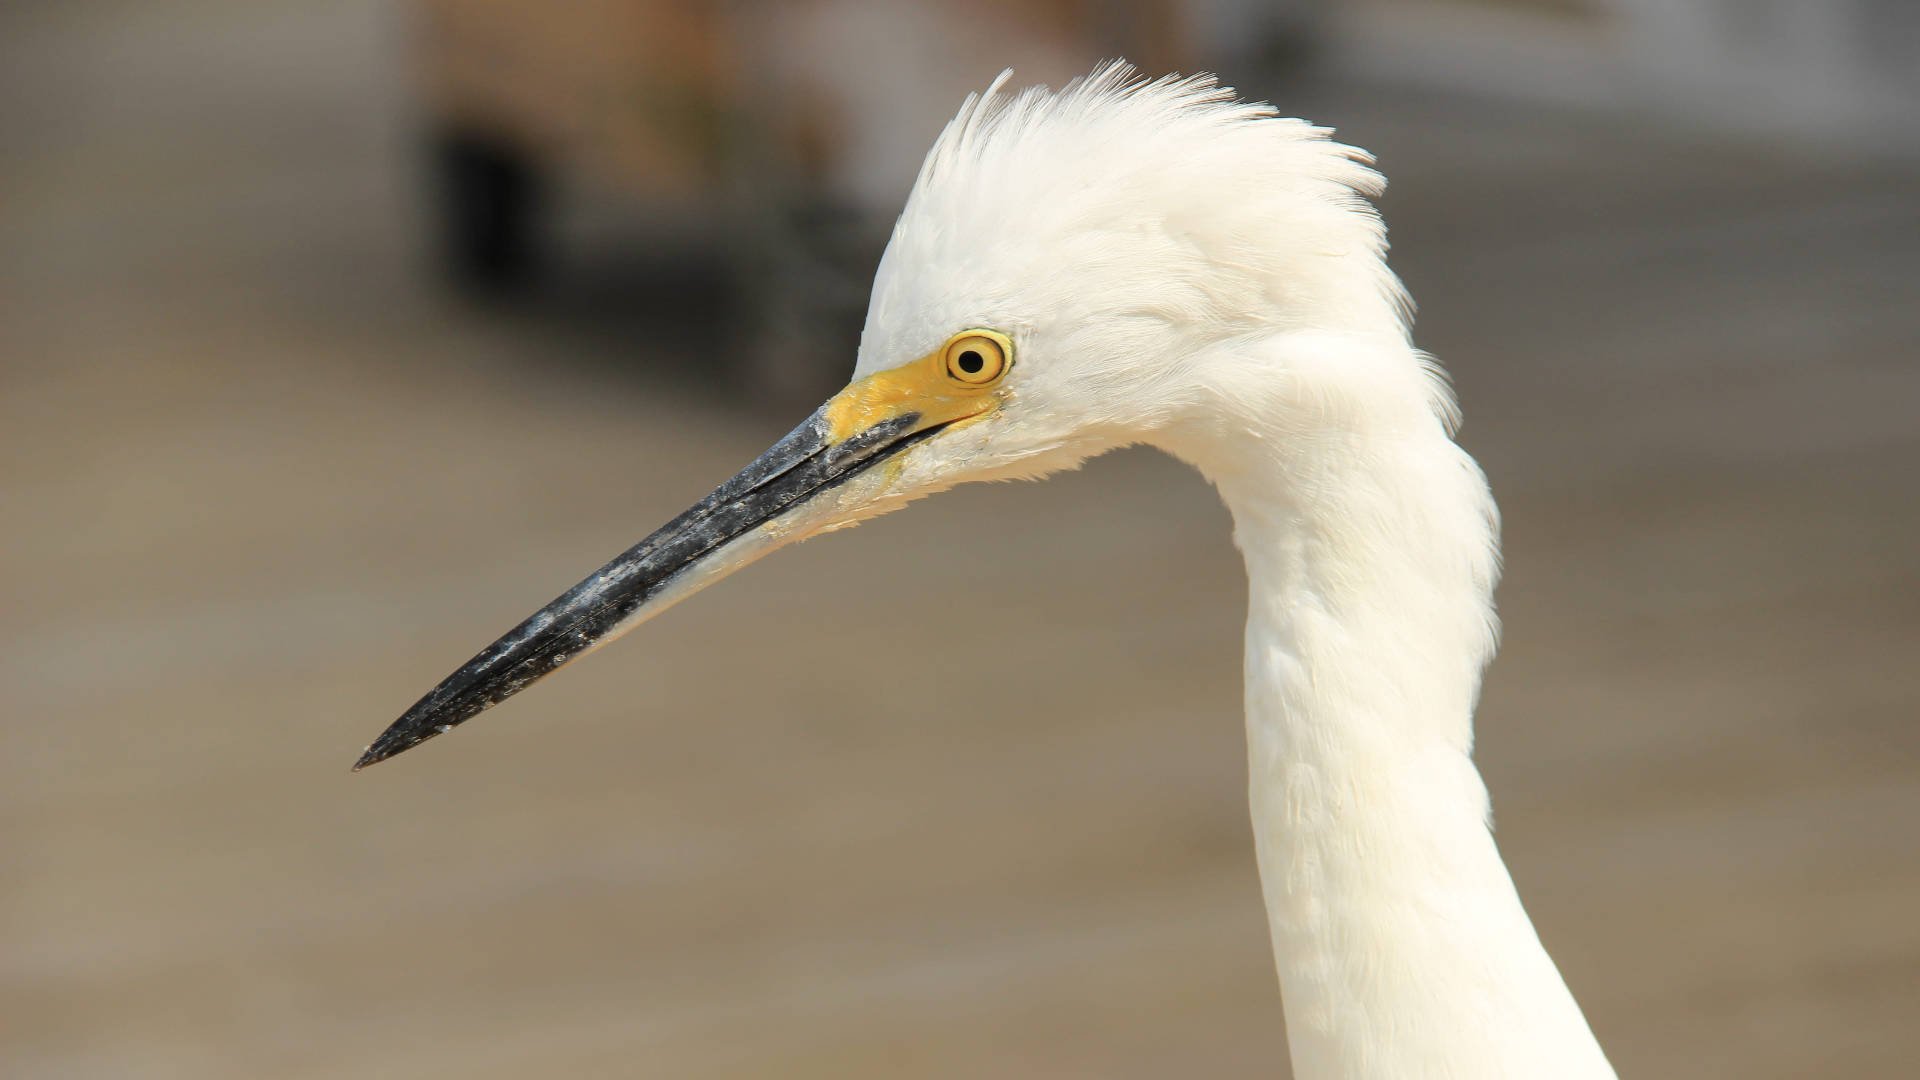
[[1371, 553]]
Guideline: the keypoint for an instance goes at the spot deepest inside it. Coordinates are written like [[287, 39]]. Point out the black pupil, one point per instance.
[[972, 362]]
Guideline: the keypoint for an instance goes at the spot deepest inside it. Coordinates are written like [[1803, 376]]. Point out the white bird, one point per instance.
[[1128, 262]]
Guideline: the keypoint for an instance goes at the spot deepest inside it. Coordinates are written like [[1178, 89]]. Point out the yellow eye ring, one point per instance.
[[978, 357]]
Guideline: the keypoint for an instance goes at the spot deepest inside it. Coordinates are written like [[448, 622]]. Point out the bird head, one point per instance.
[[1073, 272]]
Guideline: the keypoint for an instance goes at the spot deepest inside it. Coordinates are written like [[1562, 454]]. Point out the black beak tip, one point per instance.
[[394, 740]]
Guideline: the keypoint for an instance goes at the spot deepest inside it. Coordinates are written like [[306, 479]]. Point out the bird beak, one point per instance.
[[797, 488]]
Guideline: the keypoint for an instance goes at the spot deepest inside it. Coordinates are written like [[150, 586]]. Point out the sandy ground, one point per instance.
[[264, 485]]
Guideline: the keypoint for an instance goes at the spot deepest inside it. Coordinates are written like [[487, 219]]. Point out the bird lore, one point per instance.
[[1124, 262]]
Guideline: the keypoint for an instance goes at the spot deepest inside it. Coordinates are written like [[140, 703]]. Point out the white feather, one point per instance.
[[1181, 268]]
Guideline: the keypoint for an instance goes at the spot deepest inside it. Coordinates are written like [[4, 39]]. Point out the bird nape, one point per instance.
[[1129, 261]]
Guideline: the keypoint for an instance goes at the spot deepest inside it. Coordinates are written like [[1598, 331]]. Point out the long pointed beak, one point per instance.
[[717, 535]]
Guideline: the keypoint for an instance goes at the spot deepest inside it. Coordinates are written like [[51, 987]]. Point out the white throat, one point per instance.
[[1370, 546]]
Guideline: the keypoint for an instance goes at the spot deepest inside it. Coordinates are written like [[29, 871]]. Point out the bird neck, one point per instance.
[[1371, 553]]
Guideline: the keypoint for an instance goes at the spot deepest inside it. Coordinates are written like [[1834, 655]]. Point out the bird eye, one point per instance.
[[978, 357]]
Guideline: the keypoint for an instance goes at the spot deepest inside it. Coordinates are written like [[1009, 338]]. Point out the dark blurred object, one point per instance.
[[490, 196]]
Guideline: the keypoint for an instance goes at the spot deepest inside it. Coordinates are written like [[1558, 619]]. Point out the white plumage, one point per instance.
[[1189, 271], [1167, 265]]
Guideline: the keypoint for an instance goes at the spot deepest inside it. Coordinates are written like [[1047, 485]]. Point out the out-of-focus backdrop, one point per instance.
[[335, 337]]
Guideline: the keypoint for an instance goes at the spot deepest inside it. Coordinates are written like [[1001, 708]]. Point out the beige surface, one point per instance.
[[263, 488]]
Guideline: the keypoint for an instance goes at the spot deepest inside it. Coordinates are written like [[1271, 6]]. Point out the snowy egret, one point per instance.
[[1157, 262]]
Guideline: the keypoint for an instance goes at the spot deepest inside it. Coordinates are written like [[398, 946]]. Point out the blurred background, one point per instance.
[[335, 337]]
